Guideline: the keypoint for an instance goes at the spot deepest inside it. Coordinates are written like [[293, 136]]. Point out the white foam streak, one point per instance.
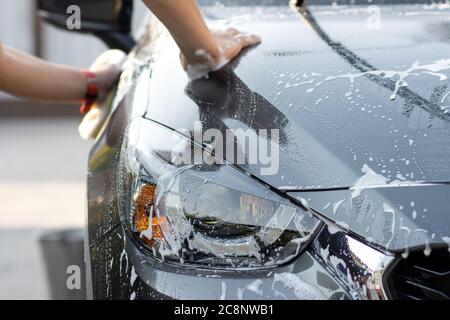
[[370, 178], [415, 70]]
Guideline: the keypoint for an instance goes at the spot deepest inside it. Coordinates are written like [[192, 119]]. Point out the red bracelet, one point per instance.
[[91, 91]]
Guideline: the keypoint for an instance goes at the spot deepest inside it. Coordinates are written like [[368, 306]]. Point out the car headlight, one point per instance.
[[204, 214]]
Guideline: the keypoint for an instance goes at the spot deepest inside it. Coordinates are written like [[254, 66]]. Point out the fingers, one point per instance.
[[244, 39], [231, 42], [184, 62], [232, 32], [107, 75], [247, 40], [251, 40]]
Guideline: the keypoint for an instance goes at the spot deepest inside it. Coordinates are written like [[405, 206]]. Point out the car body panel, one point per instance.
[[327, 142], [334, 134], [305, 278], [399, 219], [333, 268], [332, 127]]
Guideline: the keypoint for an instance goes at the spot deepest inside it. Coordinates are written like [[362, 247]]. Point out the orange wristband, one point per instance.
[[91, 91]]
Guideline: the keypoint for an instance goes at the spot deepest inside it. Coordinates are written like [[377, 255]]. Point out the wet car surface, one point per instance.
[[364, 157]]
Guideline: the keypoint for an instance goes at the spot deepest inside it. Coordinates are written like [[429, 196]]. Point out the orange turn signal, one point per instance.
[[144, 201]]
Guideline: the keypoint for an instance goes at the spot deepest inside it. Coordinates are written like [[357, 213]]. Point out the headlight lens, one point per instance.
[[209, 215]]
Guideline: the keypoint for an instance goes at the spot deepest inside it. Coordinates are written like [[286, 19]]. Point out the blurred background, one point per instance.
[[42, 158]]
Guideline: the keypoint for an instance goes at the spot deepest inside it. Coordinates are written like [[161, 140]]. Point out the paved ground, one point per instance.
[[42, 187]]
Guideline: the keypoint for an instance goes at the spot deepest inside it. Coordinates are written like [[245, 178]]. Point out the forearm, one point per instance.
[[26, 76], [184, 21]]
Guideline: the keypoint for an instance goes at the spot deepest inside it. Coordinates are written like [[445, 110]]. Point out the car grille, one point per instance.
[[422, 278]]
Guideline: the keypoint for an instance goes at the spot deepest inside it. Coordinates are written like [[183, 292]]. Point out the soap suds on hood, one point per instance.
[[370, 178], [416, 69]]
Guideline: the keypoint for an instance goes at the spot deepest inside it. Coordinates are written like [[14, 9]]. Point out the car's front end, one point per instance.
[[343, 196], [214, 232]]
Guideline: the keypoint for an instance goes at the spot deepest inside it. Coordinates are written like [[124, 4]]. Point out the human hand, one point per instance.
[[230, 43], [107, 68], [107, 75]]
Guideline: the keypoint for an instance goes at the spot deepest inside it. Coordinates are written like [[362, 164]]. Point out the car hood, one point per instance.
[[357, 101], [333, 119]]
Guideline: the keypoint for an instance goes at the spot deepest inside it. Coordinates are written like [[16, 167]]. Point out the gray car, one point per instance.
[[316, 165]]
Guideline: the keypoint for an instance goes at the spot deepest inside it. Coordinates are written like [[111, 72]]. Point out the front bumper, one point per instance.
[[303, 279], [335, 266]]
